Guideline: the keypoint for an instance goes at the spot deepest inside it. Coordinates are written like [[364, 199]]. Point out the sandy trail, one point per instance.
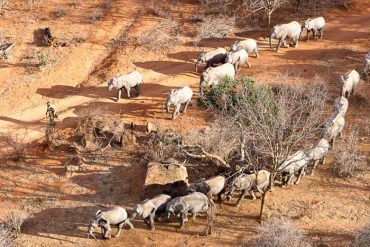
[[341, 49]]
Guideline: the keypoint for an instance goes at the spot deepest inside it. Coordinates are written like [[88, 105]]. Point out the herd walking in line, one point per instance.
[[220, 63]]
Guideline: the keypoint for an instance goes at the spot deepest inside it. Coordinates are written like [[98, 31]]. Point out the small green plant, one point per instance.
[[227, 94], [44, 59]]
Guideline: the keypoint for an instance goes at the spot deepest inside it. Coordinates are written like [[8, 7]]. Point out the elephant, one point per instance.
[[289, 30]]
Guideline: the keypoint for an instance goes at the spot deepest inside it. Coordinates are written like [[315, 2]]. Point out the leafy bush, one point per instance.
[[277, 232], [227, 94]]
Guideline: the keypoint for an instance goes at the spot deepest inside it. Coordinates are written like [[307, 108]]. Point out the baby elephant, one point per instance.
[[178, 97], [116, 216], [193, 203], [249, 183], [150, 209]]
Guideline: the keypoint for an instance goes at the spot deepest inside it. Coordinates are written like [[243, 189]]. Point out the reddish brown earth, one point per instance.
[[328, 208]]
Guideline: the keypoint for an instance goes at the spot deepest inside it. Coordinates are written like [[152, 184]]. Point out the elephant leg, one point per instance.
[[183, 216], [301, 174], [128, 222], [119, 228], [128, 92], [107, 230], [194, 216], [257, 55], [314, 167], [321, 33], [314, 34], [147, 222], [248, 64], [290, 179], [119, 94], [219, 195], [253, 195], [308, 35], [186, 106], [242, 195], [138, 89], [152, 216], [323, 161], [296, 43], [279, 44], [176, 111]]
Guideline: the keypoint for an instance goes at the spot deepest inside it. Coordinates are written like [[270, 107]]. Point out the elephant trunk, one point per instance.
[[90, 229], [197, 65], [133, 215]]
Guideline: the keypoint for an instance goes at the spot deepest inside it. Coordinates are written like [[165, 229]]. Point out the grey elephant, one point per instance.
[[289, 30], [116, 216], [150, 209], [193, 203]]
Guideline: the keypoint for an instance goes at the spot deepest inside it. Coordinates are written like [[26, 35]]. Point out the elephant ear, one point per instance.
[[102, 222], [179, 208]]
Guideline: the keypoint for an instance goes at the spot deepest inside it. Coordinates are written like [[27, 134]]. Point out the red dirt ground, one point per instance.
[[328, 208]]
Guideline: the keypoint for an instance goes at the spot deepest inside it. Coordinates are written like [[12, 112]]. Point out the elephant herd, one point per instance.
[[198, 197]]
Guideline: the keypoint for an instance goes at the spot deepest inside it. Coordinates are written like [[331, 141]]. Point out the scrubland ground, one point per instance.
[[100, 38]]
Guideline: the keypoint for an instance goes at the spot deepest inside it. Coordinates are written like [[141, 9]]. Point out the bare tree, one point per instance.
[[274, 120], [268, 6]]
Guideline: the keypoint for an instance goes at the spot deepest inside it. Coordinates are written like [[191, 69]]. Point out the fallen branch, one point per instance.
[[204, 155]]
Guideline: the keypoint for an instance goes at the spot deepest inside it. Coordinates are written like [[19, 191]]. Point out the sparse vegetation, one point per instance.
[[348, 161], [5, 240], [96, 17], [44, 58], [157, 10], [59, 12], [214, 27], [362, 238], [17, 147], [280, 232], [162, 37], [97, 131], [160, 146], [107, 5], [13, 222]]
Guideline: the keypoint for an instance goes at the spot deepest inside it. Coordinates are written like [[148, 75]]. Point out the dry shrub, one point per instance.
[[59, 12], [17, 147], [276, 232], [160, 146], [216, 6], [215, 26], [362, 238], [347, 160], [13, 222], [162, 37], [158, 10], [97, 131], [5, 240], [219, 138]]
